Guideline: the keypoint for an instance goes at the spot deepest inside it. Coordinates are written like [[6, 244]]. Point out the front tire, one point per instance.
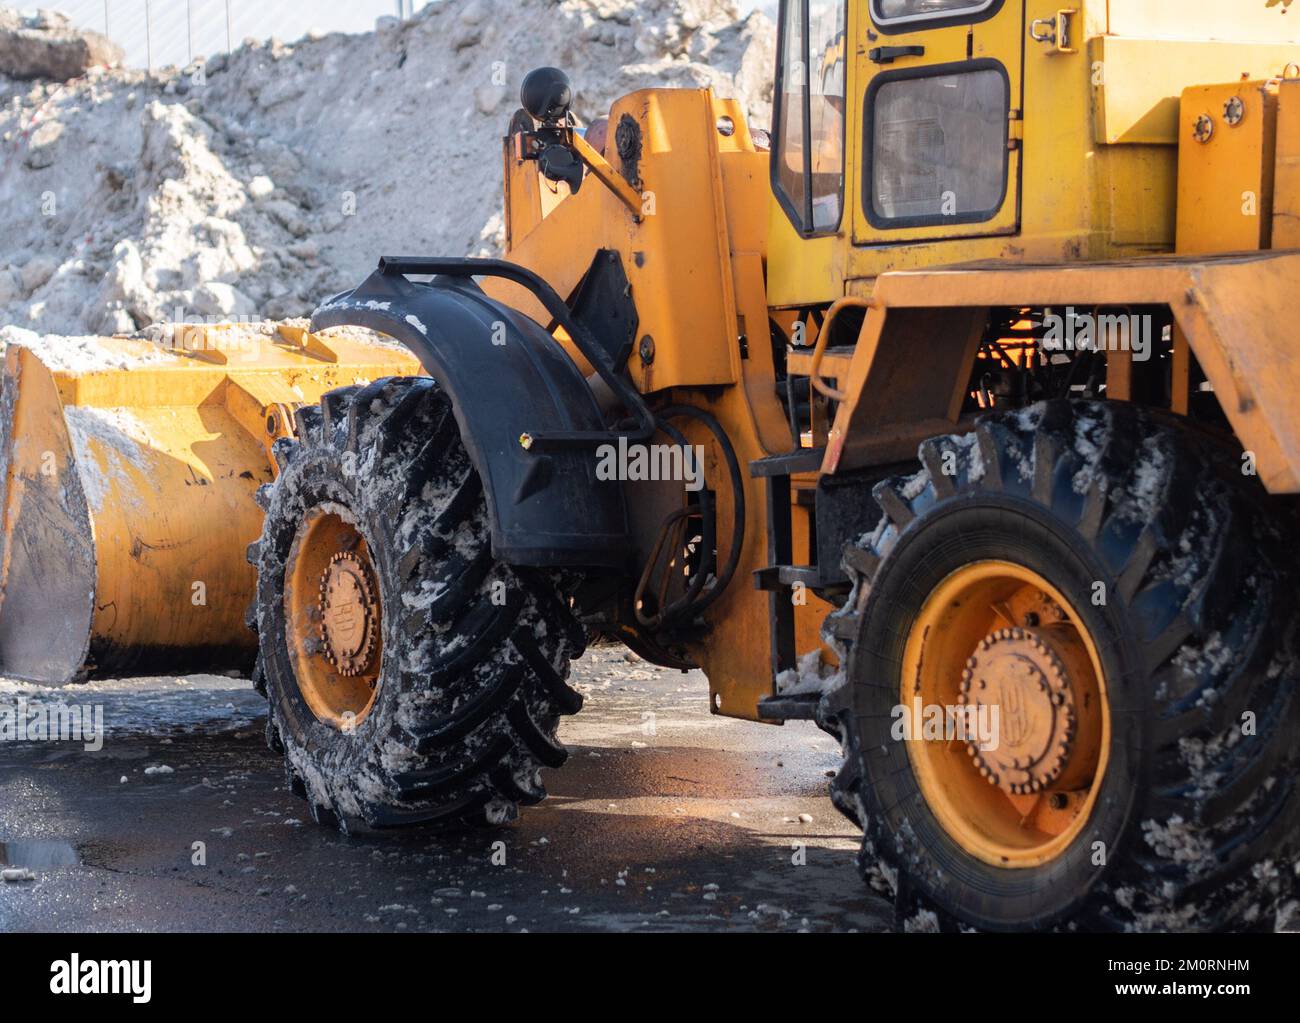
[[1175, 572], [412, 678]]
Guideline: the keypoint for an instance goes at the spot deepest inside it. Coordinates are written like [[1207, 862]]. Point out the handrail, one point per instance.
[[814, 373]]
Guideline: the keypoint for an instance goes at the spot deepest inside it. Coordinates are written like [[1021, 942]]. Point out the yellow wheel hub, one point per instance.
[[999, 644], [349, 614], [334, 618]]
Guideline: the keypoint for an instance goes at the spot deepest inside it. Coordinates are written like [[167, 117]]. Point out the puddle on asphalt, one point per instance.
[[38, 855]]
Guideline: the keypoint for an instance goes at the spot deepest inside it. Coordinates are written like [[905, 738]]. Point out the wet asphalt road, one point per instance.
[[665, 818]]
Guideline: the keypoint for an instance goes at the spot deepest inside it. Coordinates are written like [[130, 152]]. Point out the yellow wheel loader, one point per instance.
[[958, 417]]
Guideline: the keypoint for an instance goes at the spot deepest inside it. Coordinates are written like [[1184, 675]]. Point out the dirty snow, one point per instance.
[[79, 354], [260, 183], [914, 486], [967, 447], [1148, 480], [105, 442], [808, 673], [1207, 660], [1181, 842], [1091, 434]]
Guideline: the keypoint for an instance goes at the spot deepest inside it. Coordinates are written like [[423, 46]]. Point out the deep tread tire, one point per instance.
[[1197, 816], [475, 653]]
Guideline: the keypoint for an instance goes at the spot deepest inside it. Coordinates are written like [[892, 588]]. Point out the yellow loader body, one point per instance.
[[124, 510]]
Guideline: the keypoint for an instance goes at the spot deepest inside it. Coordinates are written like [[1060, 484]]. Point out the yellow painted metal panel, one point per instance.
[[1226, 167], [677, 256], [801, 271], [1140, 81], [1235, 311], [1218, 20], [1286, 183]]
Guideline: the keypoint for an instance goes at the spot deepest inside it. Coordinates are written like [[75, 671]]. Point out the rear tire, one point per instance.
[[1195, 821], [471, 656]]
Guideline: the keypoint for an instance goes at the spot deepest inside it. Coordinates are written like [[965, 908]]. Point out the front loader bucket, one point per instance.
[[127, 479]]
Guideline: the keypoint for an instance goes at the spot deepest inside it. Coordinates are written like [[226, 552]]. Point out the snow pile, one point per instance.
[[259, 183]]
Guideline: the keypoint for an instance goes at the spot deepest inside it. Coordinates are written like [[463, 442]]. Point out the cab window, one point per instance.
[[937, 139], [808, 168], [915, 13]]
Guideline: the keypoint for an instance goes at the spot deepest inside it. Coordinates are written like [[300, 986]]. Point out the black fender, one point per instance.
[[509, 382]]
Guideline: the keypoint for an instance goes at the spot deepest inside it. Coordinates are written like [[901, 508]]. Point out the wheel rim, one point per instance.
[[998, 635], [334, 619]]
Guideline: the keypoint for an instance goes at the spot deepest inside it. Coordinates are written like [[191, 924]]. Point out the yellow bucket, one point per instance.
[[129, 474]]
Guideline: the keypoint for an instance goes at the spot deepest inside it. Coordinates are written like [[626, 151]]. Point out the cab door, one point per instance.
[[939, 88]]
